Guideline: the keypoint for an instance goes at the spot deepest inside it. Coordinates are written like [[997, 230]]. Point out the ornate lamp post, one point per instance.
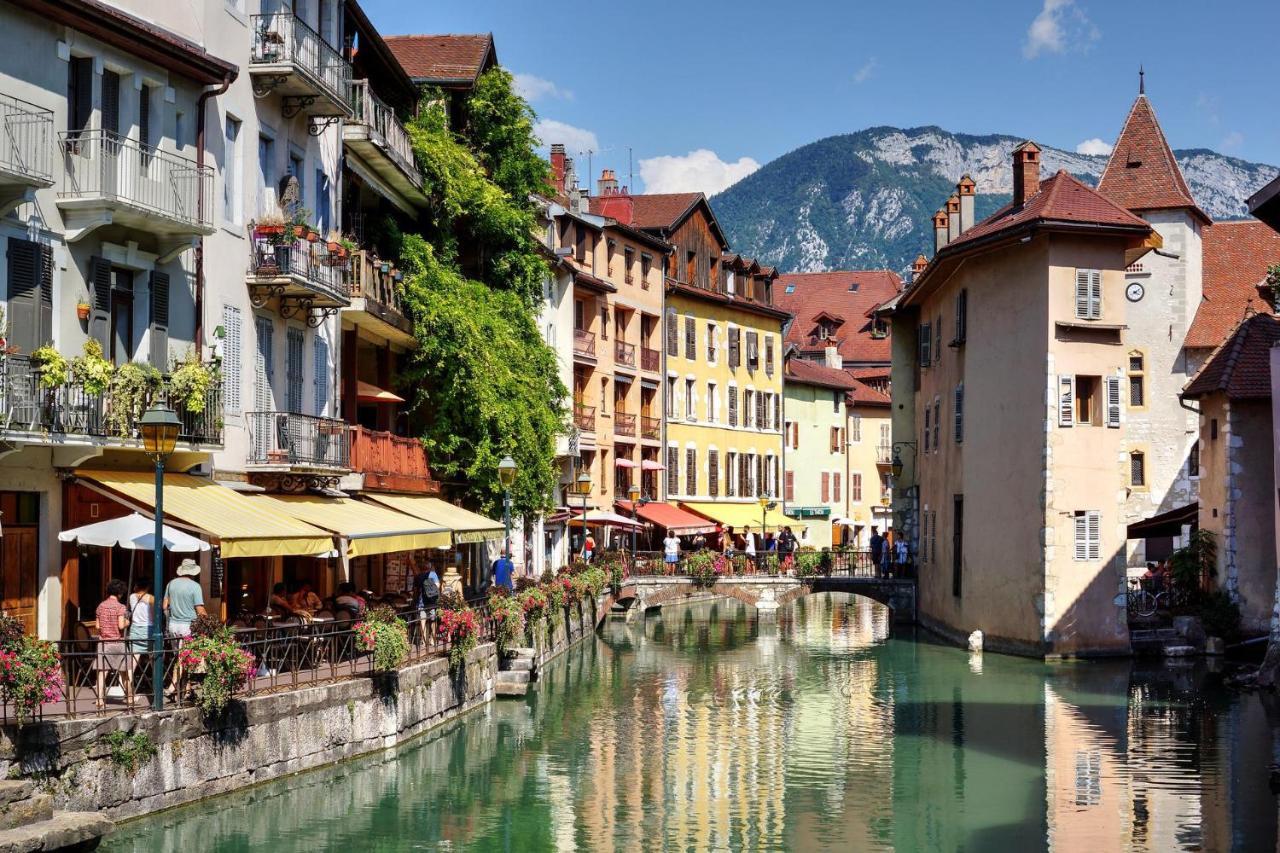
[[637, 501], [584, 489], [159, 428], [507, 477], [765, 506]]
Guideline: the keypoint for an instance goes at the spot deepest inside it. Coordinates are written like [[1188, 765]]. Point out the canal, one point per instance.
[[704, 729]]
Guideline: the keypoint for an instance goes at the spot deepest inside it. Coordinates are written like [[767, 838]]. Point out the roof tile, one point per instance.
[[1142, 173], [828, 293], [442, 58], [1241, 367], [1236, 256]]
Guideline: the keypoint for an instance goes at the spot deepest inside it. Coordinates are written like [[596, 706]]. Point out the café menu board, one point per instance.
[[396, 573], [217, 574]]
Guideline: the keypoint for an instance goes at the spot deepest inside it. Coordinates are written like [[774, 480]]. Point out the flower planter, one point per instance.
[[268, 231], [82, 311], [299, 231], [313, 236], [332, 246], [277, 457]]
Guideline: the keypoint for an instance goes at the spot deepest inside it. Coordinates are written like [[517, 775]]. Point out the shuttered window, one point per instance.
[[744, 476], [159, 286], [1088, 294], [690, 339], [959, 413], [826, 487], [673, 471], [1112, 384], [100, 311], [30, 317], [1066, 401], [1088, 535], [926, 343], [768, 356], [836, 494], [79, 93], [733, 406], [835, 439], [937, 424], [713, 473], [855, 428], [937, 340], [735, 347], [855, 487], [762, 417], [673, 333], [232, 341], [730, 474], [790, 486], [691, 471], [321, 359], [775, 469], [777, 412], [760, 484], [746, 408], [293, 369], [753, 350], [928, 418], [111, 101], [962, 316]]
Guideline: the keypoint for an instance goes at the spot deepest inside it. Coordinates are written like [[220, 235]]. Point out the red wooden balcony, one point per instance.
[[391, 462]]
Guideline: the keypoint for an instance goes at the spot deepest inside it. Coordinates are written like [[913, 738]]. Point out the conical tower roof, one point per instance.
[[1142, 173]]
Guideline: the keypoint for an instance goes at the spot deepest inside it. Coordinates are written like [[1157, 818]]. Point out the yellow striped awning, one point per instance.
[[466, 526], [242, 527], [368, 527], [741, 515]]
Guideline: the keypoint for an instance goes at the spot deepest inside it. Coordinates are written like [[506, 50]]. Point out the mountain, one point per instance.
[[864, 200]]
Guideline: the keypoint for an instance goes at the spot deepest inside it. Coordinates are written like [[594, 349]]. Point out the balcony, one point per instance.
[[584, 344], [391, 463], [650, 360], [71, 414], [298, 272], [288, 442], [376, 301], [109, 179], [584, 417], [375, 133], [26, 151], [292, 60], [884, 455], [651, 428], [624, 424], [624, 354]]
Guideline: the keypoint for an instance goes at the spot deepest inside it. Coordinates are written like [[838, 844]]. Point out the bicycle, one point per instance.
[[1141, 601]]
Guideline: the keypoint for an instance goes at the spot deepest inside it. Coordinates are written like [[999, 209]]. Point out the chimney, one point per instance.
[[608, 184], [940, 230], [953, 217], [918, 265], [1026, 172], [613, 202], [557, 167], [831, 358], [965, 190]]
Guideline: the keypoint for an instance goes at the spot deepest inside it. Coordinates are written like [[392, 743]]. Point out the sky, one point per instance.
[[696, 95]]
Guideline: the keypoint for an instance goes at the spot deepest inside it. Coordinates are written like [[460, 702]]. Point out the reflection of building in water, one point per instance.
[[1087, 797]]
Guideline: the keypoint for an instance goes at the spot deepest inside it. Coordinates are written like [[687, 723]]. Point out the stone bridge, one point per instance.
[[766, 593]]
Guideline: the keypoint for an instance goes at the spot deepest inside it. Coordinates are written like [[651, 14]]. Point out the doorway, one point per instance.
[[20, 556]]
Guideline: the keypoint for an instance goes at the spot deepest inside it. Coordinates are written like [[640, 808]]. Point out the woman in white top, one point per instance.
[[140, 603]]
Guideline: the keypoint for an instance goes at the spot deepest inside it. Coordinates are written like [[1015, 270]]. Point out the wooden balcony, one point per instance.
[[650, 360], [377, 135], [624, 424], [376, 301], [391, 463]]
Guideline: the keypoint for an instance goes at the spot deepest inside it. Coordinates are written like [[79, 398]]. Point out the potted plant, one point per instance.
[[133, 387], [313, 235], [189, 384], [30, 670], [298, 223], [52, 366], [270, 226], [347, 246], [333, 241], [461, 629], [509, 616], [82, 310], [385, 635], [216, 666], [91, 369]]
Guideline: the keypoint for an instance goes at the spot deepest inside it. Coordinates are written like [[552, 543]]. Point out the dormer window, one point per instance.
[[791, 288]]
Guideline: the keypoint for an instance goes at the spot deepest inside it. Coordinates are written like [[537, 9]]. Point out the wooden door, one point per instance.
[[19, 569]]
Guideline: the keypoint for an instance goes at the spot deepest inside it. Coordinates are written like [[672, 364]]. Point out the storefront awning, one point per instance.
[[603, 518], [369, 528], [669, 517], [623, 462], [243, 527], [465, 526], [739, 516], [1166, 523], [650, 465]]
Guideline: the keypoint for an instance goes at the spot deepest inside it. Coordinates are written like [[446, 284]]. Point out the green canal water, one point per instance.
[[704, 729]]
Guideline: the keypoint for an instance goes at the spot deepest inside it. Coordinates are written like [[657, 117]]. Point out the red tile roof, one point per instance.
[[1241, 367], [864, 395], [443, 58], [656, 210], [868, 372], [828, 293], [1142, 173], [1236, 256], [805, 372]]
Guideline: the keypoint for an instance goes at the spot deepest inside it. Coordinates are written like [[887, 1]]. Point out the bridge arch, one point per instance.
[[770, 593]]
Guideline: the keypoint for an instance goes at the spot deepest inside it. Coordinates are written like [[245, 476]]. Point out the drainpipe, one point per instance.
[[205, 94]]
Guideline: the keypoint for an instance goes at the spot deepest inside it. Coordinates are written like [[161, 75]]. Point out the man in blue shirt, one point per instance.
[[503, 568]]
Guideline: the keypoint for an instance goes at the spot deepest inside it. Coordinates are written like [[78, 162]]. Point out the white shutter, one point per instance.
[[959, 413], [1066, 400], [1113, 401], [1094, 525], [1082, 294], [321, 375], [1095, 294], [1082, 536], [231, 344]]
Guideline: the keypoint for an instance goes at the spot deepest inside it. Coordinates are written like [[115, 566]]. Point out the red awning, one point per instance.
[[669, 517], [650, 465], [369, 393], [623, 462]]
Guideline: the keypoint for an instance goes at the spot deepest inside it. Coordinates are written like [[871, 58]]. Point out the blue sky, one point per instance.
[[703, 91]]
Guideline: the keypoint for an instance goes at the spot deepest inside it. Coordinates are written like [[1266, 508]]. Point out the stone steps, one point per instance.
[[77, 830], [33, 809], [512, 682]]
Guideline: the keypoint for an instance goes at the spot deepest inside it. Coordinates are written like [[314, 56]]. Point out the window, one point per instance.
[[293, 369], [690, 339], [1137, 380], [748, 414], [646, 262], [768, 355], [1213, 429], [962, 316], [836, 494], [232, 341], [762, 410], [1088, 537], [735, 337], [691, 267], [628, 264], [144, 123], [1193, 461], [712, 400], [673, 470], [855, 487], [753, 351], [855, 428], [713, 473], [230, 173], [324, 204], [959, 413], [691, 471], [669, 398], [937, 424], [1084, 403], [611, 249], [604, 322], [835, 402], [604, 393], [733, 406], [928, 422], [297, 161], [321, 347], [790, 288], [1138, 470], [1088, 294], [937, 340], [673, 333], [795, 435], [580, 243], [924, 536], [79, 93], [713, 340], [690, 401], [835, 439], [731, 474], [926, 343], [266, 199], [826, 487]]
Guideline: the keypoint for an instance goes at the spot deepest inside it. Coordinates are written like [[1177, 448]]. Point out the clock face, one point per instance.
[[1134, 291]]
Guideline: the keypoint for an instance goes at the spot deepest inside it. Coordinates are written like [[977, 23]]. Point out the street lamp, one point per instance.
[[765, 506], [896, 465], [584, 489], [159, 428], [636, 502], [507, 477]]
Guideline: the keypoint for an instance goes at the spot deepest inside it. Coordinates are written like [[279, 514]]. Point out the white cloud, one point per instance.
[[576, 140], [864, 73], [1060, 26], [1093, 146], [534, 88], [697, 171], [1232, 141]]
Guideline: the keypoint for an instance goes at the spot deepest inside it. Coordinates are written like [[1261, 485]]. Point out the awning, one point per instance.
[[369, 528], [650, 465], [669, 517], [603, 518], [134, 532], [1166, 523], [465, 526], [623, 463], [738, 516], [369, 393], [242, 526]]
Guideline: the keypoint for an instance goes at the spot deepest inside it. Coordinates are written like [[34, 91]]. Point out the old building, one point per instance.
[[816, 480], [837, 309]]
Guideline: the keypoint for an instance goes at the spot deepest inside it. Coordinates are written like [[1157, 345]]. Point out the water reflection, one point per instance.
[[707, 729]]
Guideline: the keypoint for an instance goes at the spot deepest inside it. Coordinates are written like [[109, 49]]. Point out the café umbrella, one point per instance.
[[135, 532]]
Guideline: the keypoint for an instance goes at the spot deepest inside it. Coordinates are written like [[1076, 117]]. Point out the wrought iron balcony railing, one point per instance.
[[297, 267], [624, 424], [26, 141], [290, 439], [584, 417], [650, 427], [624, 353], [584, 343], [650, 359], [284, 39]]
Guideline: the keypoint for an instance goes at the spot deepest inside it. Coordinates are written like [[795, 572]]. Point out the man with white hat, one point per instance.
[[183, 599]]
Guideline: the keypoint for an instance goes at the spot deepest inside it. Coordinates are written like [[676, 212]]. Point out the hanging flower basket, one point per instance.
[[332, 246], [82, 310], [313, 236], [299, 231]]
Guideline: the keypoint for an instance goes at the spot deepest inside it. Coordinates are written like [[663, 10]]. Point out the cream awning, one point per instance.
[[368, 527], [466, 526], [242, 527]]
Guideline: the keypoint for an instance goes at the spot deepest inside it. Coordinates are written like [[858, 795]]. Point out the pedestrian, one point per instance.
[[588, 547], [729, 542], [877, 549], [900, 556], [503, 569], [140, 604], [786, 542], [749, 543], [183, 599], [671, 551], [770, 542], [113, 619]]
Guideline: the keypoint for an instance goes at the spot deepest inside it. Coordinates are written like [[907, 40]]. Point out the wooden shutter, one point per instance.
[[937, 424], [100, 312], [231, 359], [795, 435], [768, 356], [24, 296], [789, 488], [80, 93], [1066, 401], [937, 340], [959, 413], [1095, 294], [962, 316], [777, 413], [673, 333], [691, 471], [926, 341], [835, 439], [144, 117], [735, 345], [762, 420], [673, 471], [1082, 295], [836, 494], [111, 101], [1081, 536], [44, 311], [826, 487], [713, 473], [733, 406], [1089, 294], [855, 486], [759, 476], [744, 479], [690, 339], [321, 347], [928, 414], [1113, 401], [159, 282], [730, 459]]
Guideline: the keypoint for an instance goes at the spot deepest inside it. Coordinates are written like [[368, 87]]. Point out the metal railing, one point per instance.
[[884, 454], [26, 139], [650, 427], [282, 38], [836, 562], [370, 282], [290, 438], [385, 128], [301, 259], [71, 409], [584, 417], [584, 342], [623, 423], [624, 353], [650, 359], [99, 164]]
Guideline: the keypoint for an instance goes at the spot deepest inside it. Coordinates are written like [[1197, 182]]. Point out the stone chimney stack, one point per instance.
[[965, 189], [940, 230], [1026, 172], [831, 358], [608, 183], [918, 265], [557, 167], [953, 217], [613, 201]]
